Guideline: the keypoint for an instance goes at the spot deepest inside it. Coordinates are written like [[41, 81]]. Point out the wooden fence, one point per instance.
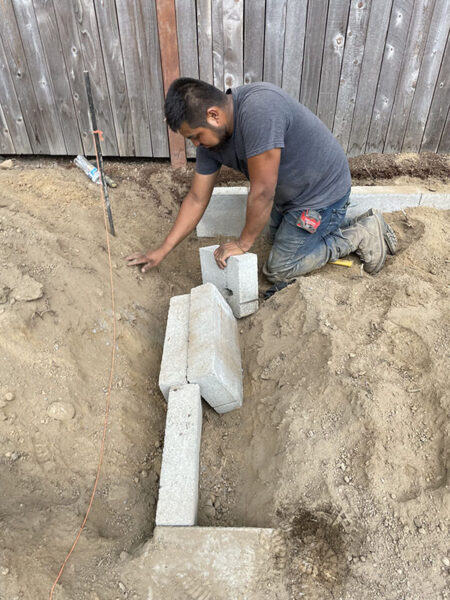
[[377, 72]]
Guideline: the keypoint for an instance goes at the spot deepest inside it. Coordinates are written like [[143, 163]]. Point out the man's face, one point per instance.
[[212, 137]]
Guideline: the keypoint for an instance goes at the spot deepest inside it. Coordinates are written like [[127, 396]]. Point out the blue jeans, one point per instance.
[[295, 251]]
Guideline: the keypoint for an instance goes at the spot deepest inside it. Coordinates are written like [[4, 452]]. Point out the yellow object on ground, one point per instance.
[[342, 263]]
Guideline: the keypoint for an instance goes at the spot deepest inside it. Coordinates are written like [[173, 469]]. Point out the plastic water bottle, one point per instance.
[[91, 171]]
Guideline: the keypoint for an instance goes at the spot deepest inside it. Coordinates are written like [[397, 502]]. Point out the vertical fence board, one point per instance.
[[93, 60], [12, 112], [6, 143], [294, 43], [204, 36], [17, 64], [187, 38], [332, 61], [390, 69], [316, 22], [351, 69], [40, 76], [217, 43], [133, 49], [444, 146], [71, 45], [46, 21], [415, 46], [370, 69], [429, 71], [233, 41], [432, 137], [274, 40], [254, 40], [115, 74], [155, 91]]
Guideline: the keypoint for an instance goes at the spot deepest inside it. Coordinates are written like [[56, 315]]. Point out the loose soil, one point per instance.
[[342, 442]]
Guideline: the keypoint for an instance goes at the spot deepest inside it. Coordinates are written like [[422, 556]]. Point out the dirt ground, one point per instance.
[[342, 441]]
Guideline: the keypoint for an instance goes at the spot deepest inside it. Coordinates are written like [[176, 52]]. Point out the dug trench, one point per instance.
[[341, 442]]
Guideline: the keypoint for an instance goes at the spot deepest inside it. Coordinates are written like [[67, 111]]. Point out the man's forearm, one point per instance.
[[188, 216], [259, 206]]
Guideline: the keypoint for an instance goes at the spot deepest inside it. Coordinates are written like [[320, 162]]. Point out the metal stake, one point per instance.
[[98, 149]]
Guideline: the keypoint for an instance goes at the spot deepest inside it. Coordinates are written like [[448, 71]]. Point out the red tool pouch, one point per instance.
[[309, 220]]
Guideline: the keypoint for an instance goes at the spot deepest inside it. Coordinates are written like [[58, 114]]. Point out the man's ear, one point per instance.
[[213, 115]]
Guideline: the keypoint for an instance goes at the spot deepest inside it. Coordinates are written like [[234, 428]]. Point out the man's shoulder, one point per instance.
[[252, 92]]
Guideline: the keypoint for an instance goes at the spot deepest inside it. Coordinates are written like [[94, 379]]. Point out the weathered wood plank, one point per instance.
[[351, 69], [6, 143], [444, 146], [274, 41], [390, 70], [17, 64], [415, 46], [204, 36], [71, 46], [167, 30], [370, 69], [130, 20], [294, 42], [312, 60], [49, 34], [40, 76], [333, 53], [187, 38], [432, 137], [93, 62], [155, 92], [429, 71], [217, 43], [115, 74], [12, 113], [254, 40], [233, 41]]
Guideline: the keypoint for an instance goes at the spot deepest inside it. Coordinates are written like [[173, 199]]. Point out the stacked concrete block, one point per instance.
[[174, 359], [225, 214], [178, 490], [214, 358], [238, 282]]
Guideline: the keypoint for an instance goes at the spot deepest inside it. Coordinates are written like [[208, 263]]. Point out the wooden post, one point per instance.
[[167, 30]]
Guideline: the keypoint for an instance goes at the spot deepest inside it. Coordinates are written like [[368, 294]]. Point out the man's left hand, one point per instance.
[[224, 251]]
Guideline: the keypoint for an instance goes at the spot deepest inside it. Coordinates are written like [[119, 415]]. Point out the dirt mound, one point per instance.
[[341, 441]]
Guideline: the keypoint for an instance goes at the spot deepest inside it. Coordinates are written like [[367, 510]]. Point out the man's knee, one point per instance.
[[281, 268]]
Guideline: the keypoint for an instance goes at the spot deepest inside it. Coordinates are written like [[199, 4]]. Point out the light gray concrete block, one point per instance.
[[436, 200], [214, 357], [178, 487], [174, 359], [383, 198], [225, 214], [238, 282]]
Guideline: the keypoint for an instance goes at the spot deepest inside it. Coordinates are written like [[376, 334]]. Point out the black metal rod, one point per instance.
[[87, 82]]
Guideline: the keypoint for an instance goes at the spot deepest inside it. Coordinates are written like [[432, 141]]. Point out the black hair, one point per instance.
[[188, 100]]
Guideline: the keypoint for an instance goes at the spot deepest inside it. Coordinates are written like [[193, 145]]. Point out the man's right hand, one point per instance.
[[150, 259]]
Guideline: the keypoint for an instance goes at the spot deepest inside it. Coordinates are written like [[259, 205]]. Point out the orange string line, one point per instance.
[[108, 397]]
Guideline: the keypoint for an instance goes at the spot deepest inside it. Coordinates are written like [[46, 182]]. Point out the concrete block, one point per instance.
[[436, 200], [383, 198], [174, 359], [238, 282], [214, 357], [178, 488], [225, 214]]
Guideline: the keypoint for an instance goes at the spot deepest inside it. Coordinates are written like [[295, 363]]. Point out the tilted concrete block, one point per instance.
[[178, 487], [225, 214], [238, 282], [214, 357], [174, 359]]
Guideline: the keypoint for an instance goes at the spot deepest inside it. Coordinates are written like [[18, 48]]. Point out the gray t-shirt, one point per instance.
[[314, 171]]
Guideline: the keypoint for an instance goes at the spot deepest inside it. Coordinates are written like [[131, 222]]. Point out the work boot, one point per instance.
[[388, 233], [366, 238]]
